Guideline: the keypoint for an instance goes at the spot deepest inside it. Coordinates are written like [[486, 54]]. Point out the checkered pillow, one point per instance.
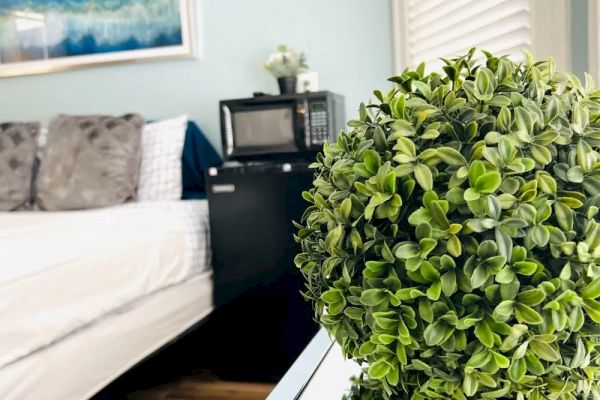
[[160, 172]]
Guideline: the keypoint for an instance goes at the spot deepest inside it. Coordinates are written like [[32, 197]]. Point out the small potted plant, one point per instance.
[[452, 242], [285, 65]]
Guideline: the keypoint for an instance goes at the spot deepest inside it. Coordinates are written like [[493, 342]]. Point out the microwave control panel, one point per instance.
[[319, 132]]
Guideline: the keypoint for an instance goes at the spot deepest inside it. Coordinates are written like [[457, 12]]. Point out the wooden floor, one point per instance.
[[199, 388]]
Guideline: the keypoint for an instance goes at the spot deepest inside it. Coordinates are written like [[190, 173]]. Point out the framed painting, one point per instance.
[[41, 36]]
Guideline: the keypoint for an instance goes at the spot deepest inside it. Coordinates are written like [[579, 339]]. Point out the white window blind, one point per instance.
[[442, 28]]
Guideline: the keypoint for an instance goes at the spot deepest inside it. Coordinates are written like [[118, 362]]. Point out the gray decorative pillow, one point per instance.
[[18, 145], [89, 161]]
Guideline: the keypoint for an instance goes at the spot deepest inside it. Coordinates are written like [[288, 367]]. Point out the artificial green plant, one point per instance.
[[451, 244]]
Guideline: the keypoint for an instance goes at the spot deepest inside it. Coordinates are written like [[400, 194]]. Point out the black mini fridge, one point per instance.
[[260, 314]]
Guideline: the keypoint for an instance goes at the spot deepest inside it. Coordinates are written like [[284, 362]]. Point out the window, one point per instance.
[[425, 30]]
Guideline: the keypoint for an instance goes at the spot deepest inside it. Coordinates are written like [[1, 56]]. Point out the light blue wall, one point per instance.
[[347, 41], [579, 37]]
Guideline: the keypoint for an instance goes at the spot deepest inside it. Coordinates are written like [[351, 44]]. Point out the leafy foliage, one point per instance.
[[452, 243]]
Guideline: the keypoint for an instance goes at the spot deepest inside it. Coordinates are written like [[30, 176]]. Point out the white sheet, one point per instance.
[[60, 271], [81, 364]]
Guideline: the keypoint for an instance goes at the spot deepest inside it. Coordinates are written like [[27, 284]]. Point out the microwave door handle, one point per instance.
[[228, 131]]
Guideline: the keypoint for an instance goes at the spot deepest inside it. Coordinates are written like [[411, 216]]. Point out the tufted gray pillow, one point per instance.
[[18, 145], [89, 161]]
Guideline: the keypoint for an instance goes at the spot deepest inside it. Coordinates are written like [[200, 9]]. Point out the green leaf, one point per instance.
[[503, 311], [534, 365], [404, 169], [448, 281], [480, 359], [407, 250], [420, 365], [541, 154], [501, 360], [484, 89], [470, 385], [367, 348], [427, 245], [337, 307], [401, 353], [451, 156], [592, 290], [546, 183], [517, 370], [504, 241], [525, 267], [488, 182], [544, 351], [332, 296], [592, 307], [379, 369], [527, 315], [507, 149], [425, 309], [479, 277], [438, 215], [333, 238], [434, 334], [499, 101], [492, 207], [393, 376], [454, 246], [476, 169], [419, 216], [540, 235], [484, 334], [429, 272], [564, 216], [346, 207], [494, 262], [504, 119], [505, 275], [434, 291], [531, 297], [524, 121], [372, 161], [354, 313], [471, 194], [423, 177], [575, 174], [373, 297]]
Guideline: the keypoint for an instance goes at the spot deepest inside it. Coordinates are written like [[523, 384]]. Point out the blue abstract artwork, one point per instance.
[[38, 30]]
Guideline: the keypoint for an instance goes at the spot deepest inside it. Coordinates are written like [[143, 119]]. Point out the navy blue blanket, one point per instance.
[[198, 156]]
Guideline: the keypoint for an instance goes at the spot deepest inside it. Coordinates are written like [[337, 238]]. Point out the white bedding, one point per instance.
[[79, 365], [61, 271]]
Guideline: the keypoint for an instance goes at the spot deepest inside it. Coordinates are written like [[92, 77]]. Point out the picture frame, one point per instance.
[[37, 37]]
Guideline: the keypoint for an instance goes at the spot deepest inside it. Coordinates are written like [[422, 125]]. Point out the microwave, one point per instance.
[[280, 127]]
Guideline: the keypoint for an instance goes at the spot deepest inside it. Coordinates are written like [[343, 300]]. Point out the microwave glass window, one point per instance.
[[272, 128]]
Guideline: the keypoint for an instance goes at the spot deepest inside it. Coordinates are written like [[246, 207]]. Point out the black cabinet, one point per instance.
[[261, 320]]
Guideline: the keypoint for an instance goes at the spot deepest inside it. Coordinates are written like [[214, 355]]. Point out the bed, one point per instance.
[[85, 295]]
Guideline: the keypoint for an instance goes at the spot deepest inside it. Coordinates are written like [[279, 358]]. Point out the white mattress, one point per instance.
[[61, 271], [80, 364]]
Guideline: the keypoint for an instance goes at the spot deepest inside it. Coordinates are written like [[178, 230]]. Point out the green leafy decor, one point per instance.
[[451, 245]]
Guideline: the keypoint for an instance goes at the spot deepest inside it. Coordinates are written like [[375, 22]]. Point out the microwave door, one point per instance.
[[265, 129]]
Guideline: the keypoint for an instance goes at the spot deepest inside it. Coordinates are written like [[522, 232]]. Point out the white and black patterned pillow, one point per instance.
[[160, 172], [89, 161], [18, 144]]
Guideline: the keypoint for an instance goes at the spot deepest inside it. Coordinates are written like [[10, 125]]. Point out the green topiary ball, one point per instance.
[[452, 244]]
